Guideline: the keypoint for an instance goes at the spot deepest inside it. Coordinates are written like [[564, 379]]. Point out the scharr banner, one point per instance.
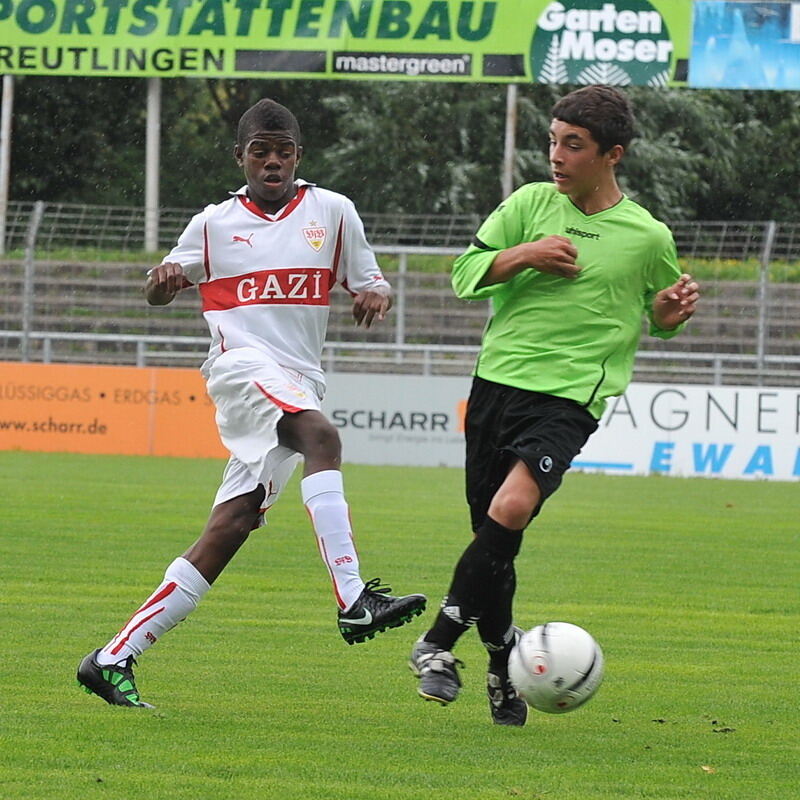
[[628, 42], [680, 430]]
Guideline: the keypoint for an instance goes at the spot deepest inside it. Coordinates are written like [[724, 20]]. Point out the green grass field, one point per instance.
[[690, 586]]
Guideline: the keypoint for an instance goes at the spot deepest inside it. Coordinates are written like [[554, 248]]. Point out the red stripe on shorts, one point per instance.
[[285, 406]]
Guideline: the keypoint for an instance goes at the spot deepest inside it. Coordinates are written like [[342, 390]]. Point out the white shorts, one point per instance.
[[251, 393]]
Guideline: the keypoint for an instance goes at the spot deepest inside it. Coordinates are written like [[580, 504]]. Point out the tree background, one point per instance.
[[399, 147]]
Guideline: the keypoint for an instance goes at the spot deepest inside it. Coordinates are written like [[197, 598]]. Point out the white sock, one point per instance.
[[323, 496], [177, 595]]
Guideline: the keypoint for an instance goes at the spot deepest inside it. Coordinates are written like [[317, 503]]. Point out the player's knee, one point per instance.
[[311, 434], [328, 438], [233, 527], [512, 508], [235, 519], [321, 439]]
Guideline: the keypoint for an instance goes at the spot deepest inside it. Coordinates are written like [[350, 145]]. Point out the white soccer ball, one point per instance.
[[556, 667]]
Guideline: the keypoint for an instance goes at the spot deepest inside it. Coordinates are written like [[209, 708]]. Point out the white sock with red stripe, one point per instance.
[[179, 593], [323, 496]]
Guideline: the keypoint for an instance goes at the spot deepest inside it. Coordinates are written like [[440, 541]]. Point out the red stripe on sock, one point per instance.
[[124, 641], [324, 554], [156, 598]]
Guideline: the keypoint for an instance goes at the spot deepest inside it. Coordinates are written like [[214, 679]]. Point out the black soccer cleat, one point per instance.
[[436, 670], [505, 705], [376, 610], [113, 682]]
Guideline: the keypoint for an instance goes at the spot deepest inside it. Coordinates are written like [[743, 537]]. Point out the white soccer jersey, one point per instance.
[[265, 279]]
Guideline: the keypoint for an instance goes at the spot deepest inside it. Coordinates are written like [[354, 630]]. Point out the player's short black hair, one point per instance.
[[603, 110], [266, 115]]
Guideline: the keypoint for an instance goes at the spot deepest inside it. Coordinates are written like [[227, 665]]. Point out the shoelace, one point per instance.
[[374, 588], [441, 661], [500, 691], [373, 585], [125, 666]]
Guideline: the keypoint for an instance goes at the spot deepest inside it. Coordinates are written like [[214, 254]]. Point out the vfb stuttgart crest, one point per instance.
[[315, 235]]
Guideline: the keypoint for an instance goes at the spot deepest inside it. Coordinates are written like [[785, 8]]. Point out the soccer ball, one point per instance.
[[556, 667]]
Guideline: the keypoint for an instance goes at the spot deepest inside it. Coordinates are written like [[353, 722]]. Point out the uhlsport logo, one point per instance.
[[591, 41]]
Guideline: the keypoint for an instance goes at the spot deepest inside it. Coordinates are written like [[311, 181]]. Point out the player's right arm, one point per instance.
[[183, 266], [554, 254], [164, 282], [502, 248]]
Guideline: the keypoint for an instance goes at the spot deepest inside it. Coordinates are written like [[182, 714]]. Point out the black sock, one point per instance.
[[483, 583], [496, 628]]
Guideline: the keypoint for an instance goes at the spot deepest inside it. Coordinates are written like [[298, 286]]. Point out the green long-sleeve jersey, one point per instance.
[[573, 338]]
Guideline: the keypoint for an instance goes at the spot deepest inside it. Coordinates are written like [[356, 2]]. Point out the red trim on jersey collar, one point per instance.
[[283, 213]]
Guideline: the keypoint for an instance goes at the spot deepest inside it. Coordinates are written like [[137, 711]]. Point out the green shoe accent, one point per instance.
[[113, 683]]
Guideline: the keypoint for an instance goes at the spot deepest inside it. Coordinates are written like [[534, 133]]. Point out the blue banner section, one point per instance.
[[738, 45]]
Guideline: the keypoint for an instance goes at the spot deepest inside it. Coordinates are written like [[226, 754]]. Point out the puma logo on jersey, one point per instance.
[[247, 241]]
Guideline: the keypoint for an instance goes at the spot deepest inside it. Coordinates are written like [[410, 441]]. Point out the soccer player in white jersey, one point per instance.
[[264, 262]]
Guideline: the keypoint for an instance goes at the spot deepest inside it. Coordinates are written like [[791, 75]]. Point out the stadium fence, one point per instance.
[[85, 307]]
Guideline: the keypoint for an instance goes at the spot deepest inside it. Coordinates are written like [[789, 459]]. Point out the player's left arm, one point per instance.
[[362, 277], [671, 296], [370, 305], [676, 304]]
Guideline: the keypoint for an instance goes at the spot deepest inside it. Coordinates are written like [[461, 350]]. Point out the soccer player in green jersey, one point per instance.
[[570, 267]]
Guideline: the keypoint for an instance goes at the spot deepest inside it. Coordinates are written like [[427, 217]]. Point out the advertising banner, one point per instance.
[[699, 431], [738, 45], [93, 409], [636, 42], [683, 430]]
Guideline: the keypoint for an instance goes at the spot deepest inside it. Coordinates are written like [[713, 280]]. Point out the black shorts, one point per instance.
[[504, 424]]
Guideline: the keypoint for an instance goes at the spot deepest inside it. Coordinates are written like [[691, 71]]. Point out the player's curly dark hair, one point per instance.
[[603, 110], [266, 115]]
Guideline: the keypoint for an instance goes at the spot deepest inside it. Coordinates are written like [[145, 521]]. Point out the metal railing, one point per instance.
[[665, 366], [77, 225], [85, 308]]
